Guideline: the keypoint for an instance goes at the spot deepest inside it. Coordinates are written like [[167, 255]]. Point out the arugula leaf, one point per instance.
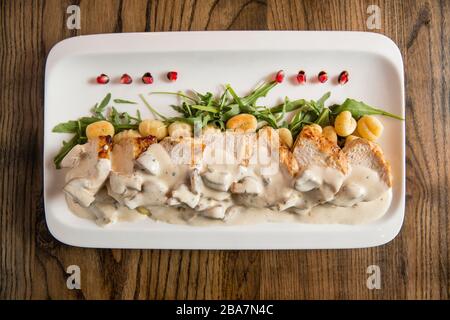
[[152, 110], [235, 96], [259, 92], [205, 108], [66, 127], [176, 94], [232, 110], [85, 121], [124, 101], [269, 118], [324, 119], [138, 115], [223, 99], [281, 116], [67, 146], [126, 118], [359, 109], [321, 101], [290, 106], [101, 107]]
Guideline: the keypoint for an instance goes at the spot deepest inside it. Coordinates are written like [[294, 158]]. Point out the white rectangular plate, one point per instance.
[[205, 61]]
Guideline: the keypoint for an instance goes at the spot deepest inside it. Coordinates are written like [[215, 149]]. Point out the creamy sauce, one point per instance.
[[364, 212], [204, 193]]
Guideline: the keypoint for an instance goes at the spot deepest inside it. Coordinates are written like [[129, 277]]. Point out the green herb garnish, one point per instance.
[[359, 109], [309, 112], [120, 120], [122, 101], [201, 109]]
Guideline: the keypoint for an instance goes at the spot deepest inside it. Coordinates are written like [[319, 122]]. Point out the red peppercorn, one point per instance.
[[126, 79], [279, 77], [147, 78], [102, 79], [343, 77], [323, 77], [172, 75], [301, 77]]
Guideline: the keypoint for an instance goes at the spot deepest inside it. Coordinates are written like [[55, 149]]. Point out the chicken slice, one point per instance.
[[322, 166], [90, 167], [370, 174], [127, 150]]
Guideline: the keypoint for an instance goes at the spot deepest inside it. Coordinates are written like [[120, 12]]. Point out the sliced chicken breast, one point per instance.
[[90, 167], [322, 166], [369, 175]]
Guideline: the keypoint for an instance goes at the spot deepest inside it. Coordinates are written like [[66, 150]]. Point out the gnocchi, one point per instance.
[[243, 122], [179, 129], [98, 129], [315, 127], [370, 128], [330, 133], [210, 129], [285, 137], [126, 134], [151, 127], [350, 138], [344, 124]]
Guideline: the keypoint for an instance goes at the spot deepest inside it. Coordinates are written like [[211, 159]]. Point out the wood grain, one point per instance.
[[415, 265]]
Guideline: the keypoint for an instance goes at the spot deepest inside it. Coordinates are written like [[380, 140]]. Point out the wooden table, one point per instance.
[[33, 264]]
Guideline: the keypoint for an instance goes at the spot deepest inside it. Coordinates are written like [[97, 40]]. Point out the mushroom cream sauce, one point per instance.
[[175, 182]]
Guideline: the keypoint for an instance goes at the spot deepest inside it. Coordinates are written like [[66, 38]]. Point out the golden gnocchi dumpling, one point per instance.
[[344, 124], [152, 127], [126, 134], [330, 133], [316, 128], [285, 137], [266, 131], [179, 129], [350, 138], [370, 128], [243, 122], [98, 129], [210, 129]]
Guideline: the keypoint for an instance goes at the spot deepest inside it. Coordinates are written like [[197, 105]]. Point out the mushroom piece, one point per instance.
[[231, 212], [319, 184], [184, 195], [79, 192], [218, 180], [149, 163], [153, 193], [173, 202], [349, 194], [206, 203], [83, 189], [106, 213], [307, 181], [73, 157], [216, 212], [121, 183], [249, 185], [196, 181], [299, 211], [294, 199]]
